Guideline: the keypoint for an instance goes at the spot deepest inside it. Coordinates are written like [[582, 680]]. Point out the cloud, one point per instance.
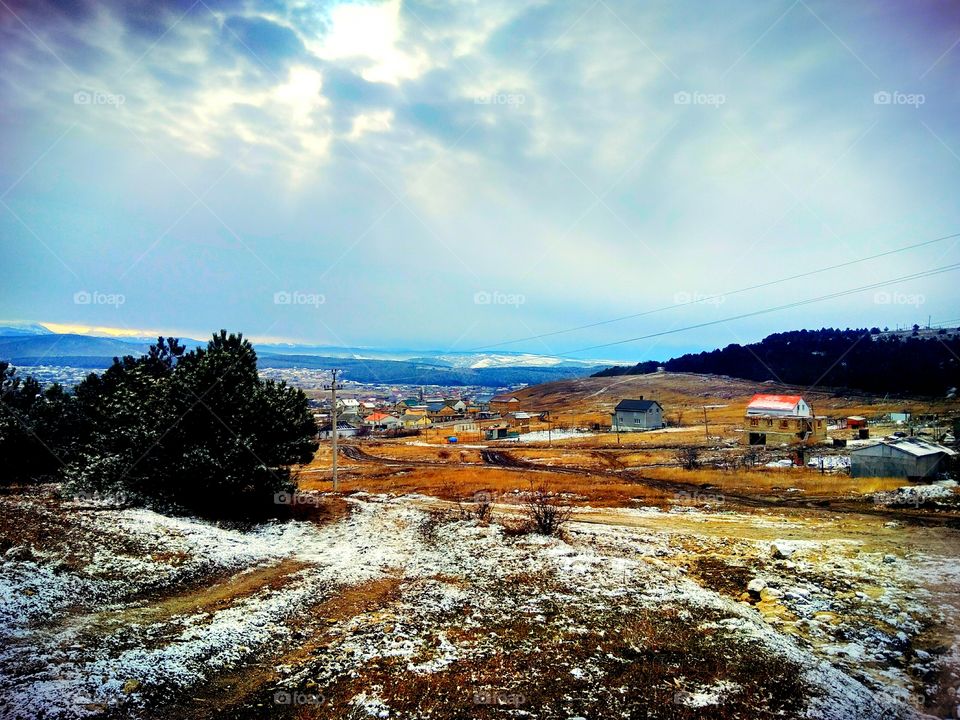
[[411, 151]]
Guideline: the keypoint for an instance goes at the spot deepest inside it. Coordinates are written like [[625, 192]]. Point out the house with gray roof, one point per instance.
[[639, 414]]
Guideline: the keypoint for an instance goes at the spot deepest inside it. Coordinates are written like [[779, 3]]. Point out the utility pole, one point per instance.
[[333, 426], [706, 426]]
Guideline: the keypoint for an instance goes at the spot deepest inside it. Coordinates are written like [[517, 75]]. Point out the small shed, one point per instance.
[[856, 421], [901, 457]]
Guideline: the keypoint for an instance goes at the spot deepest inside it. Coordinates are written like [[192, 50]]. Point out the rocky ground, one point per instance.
[[397, 607]]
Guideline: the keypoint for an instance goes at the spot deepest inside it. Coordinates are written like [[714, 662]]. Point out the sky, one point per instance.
[[459, 176]]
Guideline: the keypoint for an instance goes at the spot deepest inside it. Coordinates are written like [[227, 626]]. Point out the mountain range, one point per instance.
[[34, 345]]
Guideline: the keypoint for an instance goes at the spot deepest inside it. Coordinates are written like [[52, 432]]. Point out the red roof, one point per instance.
[[377, 416], [774, 401]]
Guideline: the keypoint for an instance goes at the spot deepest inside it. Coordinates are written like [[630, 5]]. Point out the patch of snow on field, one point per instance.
[[457, 580]]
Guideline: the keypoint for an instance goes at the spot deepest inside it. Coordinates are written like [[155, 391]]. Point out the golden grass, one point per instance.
[[764, 480], [463, 482]]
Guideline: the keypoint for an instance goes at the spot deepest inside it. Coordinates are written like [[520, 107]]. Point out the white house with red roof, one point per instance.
[[779, 405]]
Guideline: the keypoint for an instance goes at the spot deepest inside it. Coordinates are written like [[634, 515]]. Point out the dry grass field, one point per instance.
[[421, 589]]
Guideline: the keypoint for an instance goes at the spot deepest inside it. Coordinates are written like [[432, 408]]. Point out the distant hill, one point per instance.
[[54, 346], [89, 352], [869, 360], [18, 329]]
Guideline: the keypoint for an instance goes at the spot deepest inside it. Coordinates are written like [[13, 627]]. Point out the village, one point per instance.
[[887, 443]]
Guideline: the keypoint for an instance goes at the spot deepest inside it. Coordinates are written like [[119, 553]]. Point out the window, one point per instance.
[[754, 422]]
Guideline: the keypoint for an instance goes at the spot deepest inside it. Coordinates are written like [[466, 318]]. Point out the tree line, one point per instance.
[[871, 360], [198, 431]]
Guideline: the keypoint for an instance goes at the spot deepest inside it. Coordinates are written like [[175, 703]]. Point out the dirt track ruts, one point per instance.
[[505, 461]]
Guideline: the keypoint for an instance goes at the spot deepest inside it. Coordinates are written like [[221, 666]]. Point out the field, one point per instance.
[[418, 590]]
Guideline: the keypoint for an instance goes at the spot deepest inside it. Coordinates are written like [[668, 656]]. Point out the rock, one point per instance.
[[889, 559], [131, 686], [755, 586], [18, 553], [769, 595], [781, 550]]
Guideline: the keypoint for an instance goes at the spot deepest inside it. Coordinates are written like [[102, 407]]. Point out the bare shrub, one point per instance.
[[479, 507], [430, 525], [444, 454], [688, 457], [546, 511]]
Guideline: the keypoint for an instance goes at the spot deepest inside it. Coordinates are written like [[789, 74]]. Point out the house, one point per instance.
[[348, 404], [778, 405], [344, 429], [855, 422], [901, 457], [497, 431], [900, 418], [779, 419], [459, 405], [381, 421], [465, 426], [504, 403], [415, 420], [639, 414], [482, 400], [447, 413], [520, 421]]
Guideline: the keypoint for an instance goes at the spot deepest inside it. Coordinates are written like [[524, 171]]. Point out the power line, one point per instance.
[[798, 303], [708, 298]]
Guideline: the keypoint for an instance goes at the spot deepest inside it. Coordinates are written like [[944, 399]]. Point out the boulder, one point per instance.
[[755, 587], [782, 550]]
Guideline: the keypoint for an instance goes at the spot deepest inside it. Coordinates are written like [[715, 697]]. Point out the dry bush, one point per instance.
[[688, 457], [433, 519], [478, 507], [546, 511]]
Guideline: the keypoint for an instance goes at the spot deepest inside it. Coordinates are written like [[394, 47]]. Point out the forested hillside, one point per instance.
[[871, 360]]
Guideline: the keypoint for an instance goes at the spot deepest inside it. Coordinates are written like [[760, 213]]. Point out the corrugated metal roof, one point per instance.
[[913, 446], [762, 401]]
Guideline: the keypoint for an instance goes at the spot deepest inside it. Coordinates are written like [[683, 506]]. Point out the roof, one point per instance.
[[913, 446], [378, 416], [636, 405], [774, 402], [503, 398], [410, 417]]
